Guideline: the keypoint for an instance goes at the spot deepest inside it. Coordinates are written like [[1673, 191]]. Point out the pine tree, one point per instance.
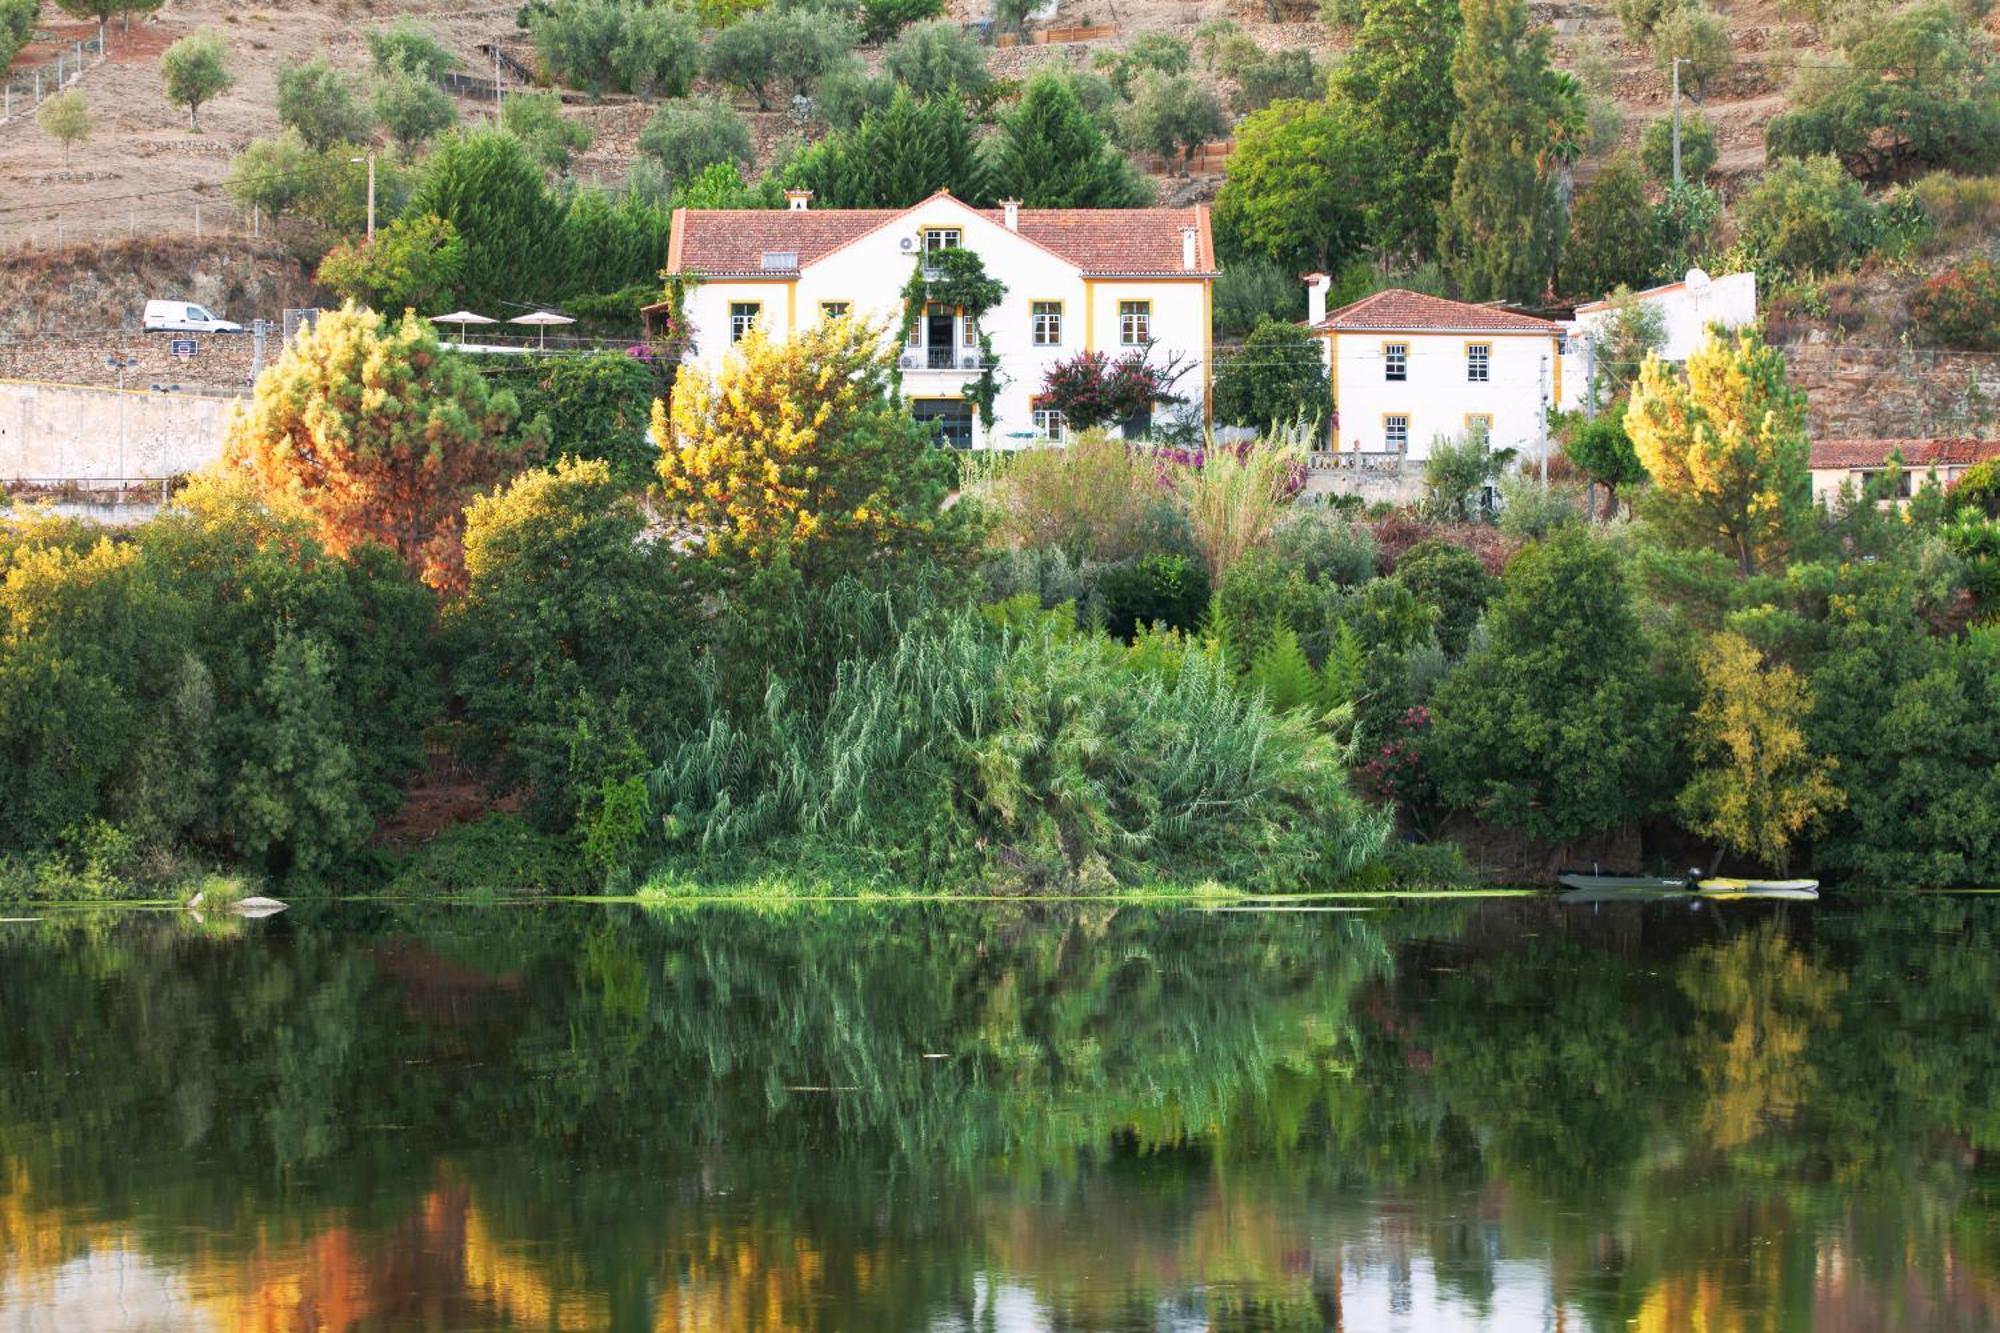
[[1049, 153], [1499, 237], [1398, 79], [897, 156]]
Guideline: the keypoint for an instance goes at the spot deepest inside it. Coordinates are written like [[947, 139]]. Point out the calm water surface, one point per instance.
[[1504, 1115]]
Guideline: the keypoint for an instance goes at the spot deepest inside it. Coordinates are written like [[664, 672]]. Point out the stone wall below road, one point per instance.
[[221, 360]]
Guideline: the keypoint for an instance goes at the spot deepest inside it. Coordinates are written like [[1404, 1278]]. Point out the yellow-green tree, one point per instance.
[[1725, 445], [800, 452], [1759, 785], [380, 435]]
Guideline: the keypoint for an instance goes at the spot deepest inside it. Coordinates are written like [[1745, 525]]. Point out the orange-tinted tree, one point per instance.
[[381, 436]]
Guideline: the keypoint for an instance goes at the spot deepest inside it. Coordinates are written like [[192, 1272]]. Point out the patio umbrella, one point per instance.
[[462, 318], [542, 319]]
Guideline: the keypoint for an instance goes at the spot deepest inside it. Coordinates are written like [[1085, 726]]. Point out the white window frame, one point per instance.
[[1396, 363], [1045, 321], [1135, 318], [740, 325], [1389, 441], [942, 238], [1479, 371], [1051, 425]]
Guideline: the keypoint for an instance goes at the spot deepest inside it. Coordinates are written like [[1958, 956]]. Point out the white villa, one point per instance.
[[1409, 368], [1114, 281]]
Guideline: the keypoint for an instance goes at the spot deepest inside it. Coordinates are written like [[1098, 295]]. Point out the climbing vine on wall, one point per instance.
[[957, 279]]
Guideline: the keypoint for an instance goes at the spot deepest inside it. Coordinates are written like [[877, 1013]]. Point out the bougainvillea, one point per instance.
[[1092, 389]]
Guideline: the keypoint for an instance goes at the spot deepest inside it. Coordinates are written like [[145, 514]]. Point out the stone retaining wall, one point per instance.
[[221, 360]]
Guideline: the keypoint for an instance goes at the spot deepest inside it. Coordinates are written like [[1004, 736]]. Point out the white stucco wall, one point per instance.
[[1438, 397], [57, 432], [1687, 309], [869, 274]]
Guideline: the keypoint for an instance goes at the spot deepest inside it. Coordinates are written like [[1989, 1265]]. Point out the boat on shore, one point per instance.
[[1593, 887]]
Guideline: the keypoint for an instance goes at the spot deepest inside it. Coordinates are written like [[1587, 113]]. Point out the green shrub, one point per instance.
[[1156, 589], [593, 407], [1699, 148], [882, 19], [685, 136], [498, 853], [1699, 38], [1807, 216], [1450, 580], [1277, 379], [1960, 308]]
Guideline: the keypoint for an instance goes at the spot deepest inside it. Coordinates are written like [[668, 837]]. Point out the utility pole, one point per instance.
[[499, 109], [370, 160], [257, 330], [1678, 62]]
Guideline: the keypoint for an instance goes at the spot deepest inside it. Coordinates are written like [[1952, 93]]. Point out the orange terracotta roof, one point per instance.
[[1099, 241], [1401, 311], [1849, 455]]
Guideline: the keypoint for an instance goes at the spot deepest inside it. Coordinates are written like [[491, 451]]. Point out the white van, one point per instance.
[[184, 317]]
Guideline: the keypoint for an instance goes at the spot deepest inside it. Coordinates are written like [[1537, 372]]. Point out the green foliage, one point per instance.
[[1610, 233], [1450, 580], [1251, 291], [659, 52], [1457, 474], [1979, 487], [489, 188], [881, 20], [578, 41], [282, 176], [299, 788], [848, 92], [409, 44], [496, 854], [1807, 216], [1398, 80], [687, 135], [1265, 77], [609, 243], [1030, 756], [1148, 53], [321, 104], [17, 25], [1922, 90], [568, 647], [1699, 38], [1157, 589], [65, 118], [1173, 115], [936, 58], [778, 51], [593, 407], [1640, 17], [1092, 499], [413, 264], [1683, 221], [1276, 379], [1555, 724], [1050, 153], [1913, 720], [1293, 191], [1499, 232], [536, 119], [1699, 148], [195, 70], [412, 108], [1602, 451], [895, 157]]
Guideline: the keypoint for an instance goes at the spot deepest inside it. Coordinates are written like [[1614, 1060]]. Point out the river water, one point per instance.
[[1504, 1115]]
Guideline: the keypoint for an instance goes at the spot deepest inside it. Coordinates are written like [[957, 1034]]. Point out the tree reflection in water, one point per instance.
[[957, 1117]]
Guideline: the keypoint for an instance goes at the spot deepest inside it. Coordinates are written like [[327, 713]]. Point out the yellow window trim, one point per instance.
[[1409, 428], [1471, 343]]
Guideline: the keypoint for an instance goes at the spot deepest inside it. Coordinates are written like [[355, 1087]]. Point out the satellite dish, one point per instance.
[[1697, 281]]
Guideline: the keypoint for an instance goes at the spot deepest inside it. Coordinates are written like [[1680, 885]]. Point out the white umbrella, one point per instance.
[[542, 318], [462, 318]]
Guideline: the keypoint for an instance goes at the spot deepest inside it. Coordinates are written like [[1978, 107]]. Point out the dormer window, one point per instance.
[[779, 261]]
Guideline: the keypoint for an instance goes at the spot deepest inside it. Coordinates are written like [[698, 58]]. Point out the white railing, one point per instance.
[[1356, 460]]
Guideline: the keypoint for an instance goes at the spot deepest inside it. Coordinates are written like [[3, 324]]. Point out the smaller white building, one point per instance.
[[1686, 308], [1408, 369]]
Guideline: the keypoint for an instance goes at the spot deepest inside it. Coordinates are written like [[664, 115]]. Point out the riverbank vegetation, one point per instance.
[[814, 643]]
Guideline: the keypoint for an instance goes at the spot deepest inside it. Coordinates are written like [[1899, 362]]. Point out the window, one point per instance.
[[833, 310], [1396, 434], [940, 238], [950, 420], [1478, 362], [968, 333], [1396, 362], [1051, 425], [1479, 423], [1135, 323], [1045, 323], [742, 318]]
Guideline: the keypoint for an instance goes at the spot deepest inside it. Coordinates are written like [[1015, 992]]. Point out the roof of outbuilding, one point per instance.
[[1401, 311], [1944, 451], [1106, 242]]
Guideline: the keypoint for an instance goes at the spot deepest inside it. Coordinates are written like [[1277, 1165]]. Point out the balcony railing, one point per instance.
[[941, 358], [1356, 460]]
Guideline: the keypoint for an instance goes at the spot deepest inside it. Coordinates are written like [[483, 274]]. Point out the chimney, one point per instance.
[[1316, 289], [1188, 248], [1012, 209], [796, 200]]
